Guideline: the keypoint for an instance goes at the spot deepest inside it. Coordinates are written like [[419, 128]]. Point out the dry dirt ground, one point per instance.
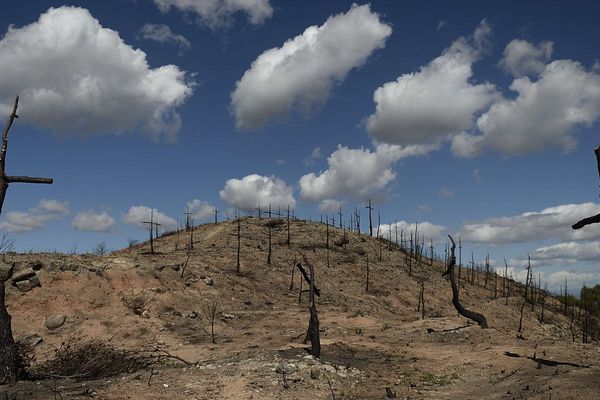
[[371, 341]]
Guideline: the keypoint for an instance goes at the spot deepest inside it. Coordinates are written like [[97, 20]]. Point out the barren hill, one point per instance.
[[134, 300]]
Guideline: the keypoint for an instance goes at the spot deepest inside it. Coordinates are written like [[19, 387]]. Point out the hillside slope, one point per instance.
[[371, 340]]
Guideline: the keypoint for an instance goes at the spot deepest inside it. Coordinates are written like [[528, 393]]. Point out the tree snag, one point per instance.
[[312, 333], [8, 349], [595, 218], [472, 315]]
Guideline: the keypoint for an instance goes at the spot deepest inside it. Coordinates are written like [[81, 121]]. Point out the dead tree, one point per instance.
[[421, 306], [312, 333], [151, 225], [187, 259], [9, 362], [475, 316], [187, 219], [370, 220], [595, 218]]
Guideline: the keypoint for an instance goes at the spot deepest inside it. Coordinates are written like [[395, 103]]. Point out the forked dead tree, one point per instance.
[[472, 315], [8, 350]]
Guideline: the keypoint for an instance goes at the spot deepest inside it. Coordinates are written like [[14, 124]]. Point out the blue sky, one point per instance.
[[473, 119]]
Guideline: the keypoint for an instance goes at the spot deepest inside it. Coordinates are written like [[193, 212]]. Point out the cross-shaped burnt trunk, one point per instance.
[[8, 350]]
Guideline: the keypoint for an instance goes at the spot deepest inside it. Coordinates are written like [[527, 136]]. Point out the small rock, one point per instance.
[[227, 316], [55, 321], [24, 286], [287, 368], [145, 314], [209, 281], [315, 373], [36, 265], [23, 275], [34, 281], [247, 302], [31, 340], [6, 270]]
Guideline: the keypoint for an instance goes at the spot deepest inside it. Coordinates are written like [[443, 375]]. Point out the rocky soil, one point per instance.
[[375, 345]]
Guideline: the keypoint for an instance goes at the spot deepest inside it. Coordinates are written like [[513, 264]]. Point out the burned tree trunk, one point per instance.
[[595, 218], [8, 349], [472, 315], [312, 333]]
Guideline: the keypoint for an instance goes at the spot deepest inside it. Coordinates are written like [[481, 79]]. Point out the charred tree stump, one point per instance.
[[8, 349], [472, 315], [367, 285]]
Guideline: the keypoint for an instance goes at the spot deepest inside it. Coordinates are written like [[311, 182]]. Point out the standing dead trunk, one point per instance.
[[312, 333], [475, 316], [8, 350]]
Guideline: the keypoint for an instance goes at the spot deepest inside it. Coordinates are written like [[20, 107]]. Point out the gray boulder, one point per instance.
[[55, 321], [23, 275], [6, 270]]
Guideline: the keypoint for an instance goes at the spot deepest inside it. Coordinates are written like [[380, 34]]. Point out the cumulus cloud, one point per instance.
[[330, 205], [220, 13], [425, 230], [564, 253], [551, 222], [437, 101], [253, 190], [163, 34], [544, 112], [200, 210], [524, 58], [75, 76], [36, 218], [91, 221], [302, 72], [136, 215], [356, 172]]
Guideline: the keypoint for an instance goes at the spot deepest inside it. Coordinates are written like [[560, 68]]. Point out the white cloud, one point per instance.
[[220, 13], [330, 205], [545, 112], [575, 279], [93, 222], [356, 172], [163, 34], [524, 58], [136, 215], [301, 73], [565, 253], [314, 156], [437, 101], [477, 175], [425, 230], [36, 218], [551, 222], [446, 192], [77, 77], [253, 190], [200, 210]]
